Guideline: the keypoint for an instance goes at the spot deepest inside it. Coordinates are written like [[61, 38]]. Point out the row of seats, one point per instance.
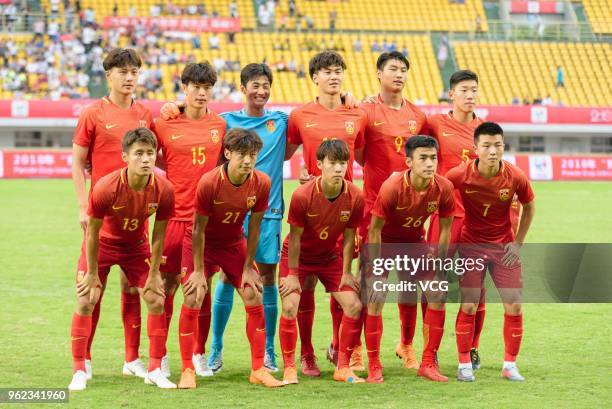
[[599, 13]]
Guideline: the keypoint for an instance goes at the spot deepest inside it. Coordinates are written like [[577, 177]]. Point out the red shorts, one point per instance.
[[176, 236], [231, 259], [433, 233], [330, 274], [133, 260], [491, 254], [422, 251]]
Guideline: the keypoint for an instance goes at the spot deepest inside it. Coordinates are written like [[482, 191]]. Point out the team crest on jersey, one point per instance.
[[183, 272], [152, 208], [344, 215], [432, 206], [349, 126], [270, 125], [504, 194], [214, 135], [412, 125], [251, 201], [142, 123]]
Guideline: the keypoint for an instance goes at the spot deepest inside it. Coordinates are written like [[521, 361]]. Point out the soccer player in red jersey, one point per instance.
[[391, 120], [405, 201], [97, 139], [224, 196], [119, 206], [322, 211], [455, 134], [191, 145], [309, 125], [487, 186]]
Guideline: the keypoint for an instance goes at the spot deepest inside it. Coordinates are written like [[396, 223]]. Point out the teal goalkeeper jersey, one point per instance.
[[272, 129]]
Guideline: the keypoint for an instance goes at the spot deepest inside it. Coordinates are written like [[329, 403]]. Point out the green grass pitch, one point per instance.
[[565, 355]]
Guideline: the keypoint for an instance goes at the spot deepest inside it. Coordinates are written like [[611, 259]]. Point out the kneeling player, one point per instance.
[[119, 207], [487, 186], [223, 198], [320, 212], [404, 203]]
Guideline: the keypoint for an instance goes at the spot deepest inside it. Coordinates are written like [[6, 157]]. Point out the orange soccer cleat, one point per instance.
[[188, 379], [406, 354], [431, 372], [356, 363], [347, 375], [263, 377], [290, 376], [375, 374], [309, 365]]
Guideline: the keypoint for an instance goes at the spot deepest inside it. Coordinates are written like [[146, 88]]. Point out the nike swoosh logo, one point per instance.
[[447, 134], [110, 126], [260, 329], [216, 202], [378, 123], [462, 333], [470, 191], [77, 338], [401, 208], [310, 125], [175, 137], [135, 326], [117, 207], [312, 215], [288, 352], [516, 335], [182, 334]]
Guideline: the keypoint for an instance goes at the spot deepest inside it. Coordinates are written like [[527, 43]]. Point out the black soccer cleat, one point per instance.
[[475, 358]]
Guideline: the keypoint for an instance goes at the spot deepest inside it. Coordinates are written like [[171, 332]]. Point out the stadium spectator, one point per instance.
[[405, 52], [357, 46], [478, 24], [233, 9], [333, 15], [547, 101], [309, 23], [537, 100], [213, 41], [300, 72], [375, 47], [526, 100], [442, 54], [560, 77], [264, 15], [115, 10], [516, 100], [90, 15]]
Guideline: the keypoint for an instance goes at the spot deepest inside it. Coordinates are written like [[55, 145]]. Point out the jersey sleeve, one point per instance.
[[455, 175], [523, 188], [204, 194], [384, 202], [357, 215], [263, 194], [360, 138], [159, 131], [165, 210], [100, 200], [293, 129], [85, 129], [297, 209], [447, 200]]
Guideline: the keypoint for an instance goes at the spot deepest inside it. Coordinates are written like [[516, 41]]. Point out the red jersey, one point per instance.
[[312, 123], [385, 136], [405, 209], [101, 128], [190, 148], [126, 211], [227, 205], [488, 201], [323, 220]]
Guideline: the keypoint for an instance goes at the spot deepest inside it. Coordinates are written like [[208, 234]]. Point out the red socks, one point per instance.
[[464, 329], [479, 321], [157, 332], [408, 314], [80, 334], [287, 334], [305, 319], [188, 327], [433, 329], [513, 334], [350, 330], [168, 309], [373, 335], [203, 325], [95, 317], [336, 313], [256, 332], [130, 313]]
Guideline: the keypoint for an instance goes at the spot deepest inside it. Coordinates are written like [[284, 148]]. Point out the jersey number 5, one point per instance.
[[198, 157]]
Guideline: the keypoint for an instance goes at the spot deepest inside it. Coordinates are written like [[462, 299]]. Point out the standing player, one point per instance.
[[404, 203], [391, 120], [487, 186], [191, 145], [224, 196], [326, 118], [97, 138], [455, 134], [322, 211], [119, 206]]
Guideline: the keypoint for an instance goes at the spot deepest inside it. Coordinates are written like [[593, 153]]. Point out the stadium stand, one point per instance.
[[599, 13]]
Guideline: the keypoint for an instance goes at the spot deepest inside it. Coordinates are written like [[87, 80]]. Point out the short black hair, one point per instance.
[[333, 149], [255, 70], [142, 134], [488, 128], [419, 141], [242, 140], [120, 58], [388, 56], [199, 73], [460, 76], [325, 59]]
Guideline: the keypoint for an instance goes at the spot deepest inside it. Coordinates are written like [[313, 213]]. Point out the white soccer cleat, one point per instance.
[[79, 381], [465, 374], [511, 373], [158, 379], [165, 366], [88, 369], [135, 368], [200, 364]]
